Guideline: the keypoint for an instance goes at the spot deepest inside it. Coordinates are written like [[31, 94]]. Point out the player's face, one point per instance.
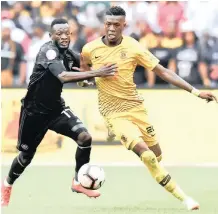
[[61, 35], [114, 26]]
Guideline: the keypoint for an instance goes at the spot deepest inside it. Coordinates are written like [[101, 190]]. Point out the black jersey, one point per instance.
[[44, 89], [187, 61]]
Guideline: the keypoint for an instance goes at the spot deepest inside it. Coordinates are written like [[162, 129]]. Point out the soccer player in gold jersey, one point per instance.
[[122, 106]]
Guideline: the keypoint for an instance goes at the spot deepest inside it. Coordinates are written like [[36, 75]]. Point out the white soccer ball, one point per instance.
[[91, 176]]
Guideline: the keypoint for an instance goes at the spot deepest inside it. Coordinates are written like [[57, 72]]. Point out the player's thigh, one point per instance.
[[68, 124], [32, 128], [126, 131], [142, 121]]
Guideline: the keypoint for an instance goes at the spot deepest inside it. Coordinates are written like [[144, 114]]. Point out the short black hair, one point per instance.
[[116, 11], [58, 21]]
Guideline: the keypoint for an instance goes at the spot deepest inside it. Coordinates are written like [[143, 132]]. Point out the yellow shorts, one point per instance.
[[132, 127]]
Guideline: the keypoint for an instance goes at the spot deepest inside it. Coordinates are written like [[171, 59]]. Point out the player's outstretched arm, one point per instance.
[[171, 77], [66, 76]]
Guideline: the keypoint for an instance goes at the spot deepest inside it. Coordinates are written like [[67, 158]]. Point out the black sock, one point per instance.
[[82, 157], [15, 171]]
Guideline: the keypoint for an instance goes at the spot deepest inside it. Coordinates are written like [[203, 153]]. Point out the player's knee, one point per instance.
[[84, 139], [25, 158], [139, 148], [159, 158]]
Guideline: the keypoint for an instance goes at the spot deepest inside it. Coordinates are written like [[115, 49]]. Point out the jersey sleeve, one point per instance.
[[47, 56], [56, 68], [145, 58], [86, 55]]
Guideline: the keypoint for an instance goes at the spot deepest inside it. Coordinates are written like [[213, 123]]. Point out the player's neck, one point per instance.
[[111, 44]]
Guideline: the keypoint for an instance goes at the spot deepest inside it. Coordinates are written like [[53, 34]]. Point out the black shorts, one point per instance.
[[33, 127]]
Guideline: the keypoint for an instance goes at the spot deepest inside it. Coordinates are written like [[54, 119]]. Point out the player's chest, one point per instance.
[[104, 55]]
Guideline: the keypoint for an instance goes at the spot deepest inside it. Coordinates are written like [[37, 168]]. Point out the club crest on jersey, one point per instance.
[[51, 54], [123, 55]]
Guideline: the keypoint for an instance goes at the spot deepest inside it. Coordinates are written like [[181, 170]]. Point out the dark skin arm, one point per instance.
[[171, 77], [104, 71]]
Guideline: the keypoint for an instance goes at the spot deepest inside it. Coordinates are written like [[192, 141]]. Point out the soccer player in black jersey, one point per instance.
[[43, 108]]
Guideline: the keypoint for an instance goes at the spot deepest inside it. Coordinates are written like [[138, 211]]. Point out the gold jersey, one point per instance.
[[118, 93]]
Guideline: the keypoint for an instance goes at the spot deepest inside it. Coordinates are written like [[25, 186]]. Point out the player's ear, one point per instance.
[[124, 24]]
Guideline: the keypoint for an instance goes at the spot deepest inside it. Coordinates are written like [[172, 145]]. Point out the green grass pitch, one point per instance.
[[127, 190]]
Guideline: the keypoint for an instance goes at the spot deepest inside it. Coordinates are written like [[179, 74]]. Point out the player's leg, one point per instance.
[[71, 126], [140, 118], [150, 153], [132, 137], [157, 151], [31, 131], [161, 175]]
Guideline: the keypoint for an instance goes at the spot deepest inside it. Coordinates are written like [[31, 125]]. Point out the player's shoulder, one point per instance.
[[129, 39], [48, 46], [130, 42], [49, 51], [93, 44]]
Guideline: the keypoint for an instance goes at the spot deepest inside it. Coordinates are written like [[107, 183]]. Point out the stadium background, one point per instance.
[[184, 124]]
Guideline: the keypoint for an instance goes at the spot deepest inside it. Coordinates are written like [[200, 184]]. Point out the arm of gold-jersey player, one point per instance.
[[171, 77]]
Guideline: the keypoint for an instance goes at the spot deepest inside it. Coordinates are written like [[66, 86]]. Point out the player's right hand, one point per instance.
[[107, 70], [208, 96]]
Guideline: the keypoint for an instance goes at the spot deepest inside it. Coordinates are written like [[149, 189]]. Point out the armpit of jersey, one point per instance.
[[48, 54], [71, 59]]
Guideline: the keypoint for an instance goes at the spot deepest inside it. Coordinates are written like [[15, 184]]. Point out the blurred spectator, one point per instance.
[[170, 40], [28, 22], [90, 28], [13, 65], [21, 17], [134, 11], [77, 40], [170, 12], [164, 55], [210, 74], [146, 37], [186, 60], [40, 36], [203, 15], [17, 35]]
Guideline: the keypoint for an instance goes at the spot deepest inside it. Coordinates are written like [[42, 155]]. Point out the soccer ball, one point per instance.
[[91, 176]]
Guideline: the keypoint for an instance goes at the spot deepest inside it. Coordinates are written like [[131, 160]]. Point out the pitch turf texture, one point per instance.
[[127, 190]]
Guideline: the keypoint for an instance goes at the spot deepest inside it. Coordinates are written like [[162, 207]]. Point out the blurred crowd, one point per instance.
[[183, 35]]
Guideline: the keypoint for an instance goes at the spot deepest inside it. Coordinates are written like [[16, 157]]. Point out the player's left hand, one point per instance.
[[85, 83], [208, 96], [83, 66]]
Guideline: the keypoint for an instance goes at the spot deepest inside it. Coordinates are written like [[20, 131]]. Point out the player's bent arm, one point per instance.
[[171, 77], [67, 76]]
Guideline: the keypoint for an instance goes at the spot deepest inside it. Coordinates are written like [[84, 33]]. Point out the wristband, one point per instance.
[[196, 92]]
